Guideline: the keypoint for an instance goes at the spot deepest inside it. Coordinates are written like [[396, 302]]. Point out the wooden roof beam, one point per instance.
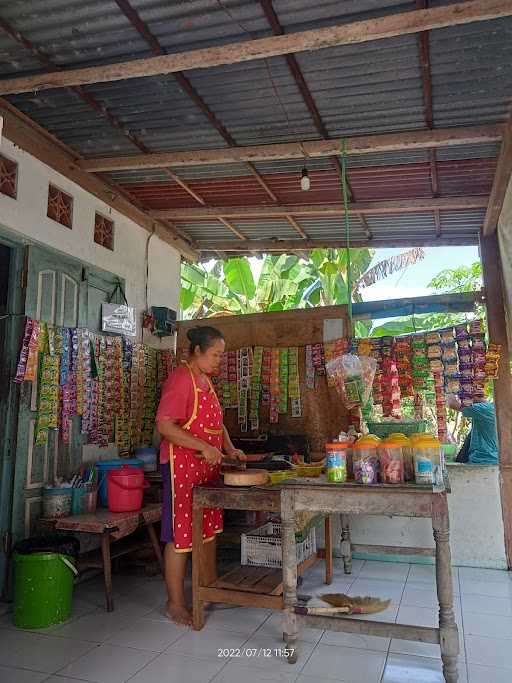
[[382, 207], [389, 26], [31, 138], [287, 246], [291, 220], [143, 29], [500, 183], [231, 227], [363, 144]]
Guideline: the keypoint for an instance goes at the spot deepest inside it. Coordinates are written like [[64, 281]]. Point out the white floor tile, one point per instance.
[[392, 571], [302, 678], [108, 664], [360, 642], [148, 635], [421, 595], [237, 619], [268, 654], [273, 627], [176, 668], [345, 664], [10, 675], [406, 669], [96, 627], [426, 573], [489, 651], [486, 605], [488, 625], [315, 585], [491, 589], [208, 643], [487, 674], [63, 679], [490, 575], [38, 653], [238, 673]]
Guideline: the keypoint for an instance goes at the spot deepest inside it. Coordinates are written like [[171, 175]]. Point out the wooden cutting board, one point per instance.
[[246, 478]]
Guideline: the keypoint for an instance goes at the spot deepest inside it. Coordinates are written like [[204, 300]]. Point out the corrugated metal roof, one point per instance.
[[369, 88], [206, 230]]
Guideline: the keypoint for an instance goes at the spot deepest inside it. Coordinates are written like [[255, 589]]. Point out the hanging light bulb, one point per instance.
[[305, 183]]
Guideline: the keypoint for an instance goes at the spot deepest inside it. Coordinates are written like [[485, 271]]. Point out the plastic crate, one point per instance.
[[262, 547], [384, 429]]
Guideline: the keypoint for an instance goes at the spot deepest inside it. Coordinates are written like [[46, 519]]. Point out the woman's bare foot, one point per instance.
[[179, 614]]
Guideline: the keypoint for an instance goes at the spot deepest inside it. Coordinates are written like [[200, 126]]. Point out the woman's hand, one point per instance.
[[211, 454], [236, 454]]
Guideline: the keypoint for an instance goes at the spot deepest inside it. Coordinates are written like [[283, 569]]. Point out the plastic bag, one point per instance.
[[352, 376]]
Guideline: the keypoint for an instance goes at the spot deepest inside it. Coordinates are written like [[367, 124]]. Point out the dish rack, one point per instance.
[[262, 547]]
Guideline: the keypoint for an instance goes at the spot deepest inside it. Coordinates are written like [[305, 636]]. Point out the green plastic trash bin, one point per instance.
[[43, 588]]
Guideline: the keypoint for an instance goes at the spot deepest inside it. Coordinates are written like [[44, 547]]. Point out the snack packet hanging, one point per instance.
[[352, 376]]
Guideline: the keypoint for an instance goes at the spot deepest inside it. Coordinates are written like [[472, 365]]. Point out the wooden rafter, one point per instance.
[[389, 26], [135, 19], [287, 246], [291, 220], [89, 99], [363, 144], [501, 182], [32, 138], [381, 207], [426, 79], [231, 227]]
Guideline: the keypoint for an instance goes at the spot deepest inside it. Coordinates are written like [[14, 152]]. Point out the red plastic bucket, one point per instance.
[[125, 488]]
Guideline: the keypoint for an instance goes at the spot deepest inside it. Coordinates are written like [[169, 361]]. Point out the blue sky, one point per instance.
[[414, 280]]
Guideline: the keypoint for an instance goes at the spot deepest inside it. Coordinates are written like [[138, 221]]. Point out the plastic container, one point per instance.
[[104, 466], [365, 462], [57, 502], [125, 489], [427, 459], [83, 501], [262, 547], [391, 460], [303, 470], [336, 461], [384, 429], [407, 453], [280, 475], [148, 457], [43, 586]]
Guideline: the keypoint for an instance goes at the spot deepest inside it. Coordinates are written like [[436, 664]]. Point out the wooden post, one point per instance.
[[328, 550], [496, 320], [346, 545], [197, 563], [290, 633], [107, 569], [448, 631]]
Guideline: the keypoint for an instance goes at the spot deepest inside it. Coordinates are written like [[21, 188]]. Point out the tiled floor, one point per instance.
[[137, 643]]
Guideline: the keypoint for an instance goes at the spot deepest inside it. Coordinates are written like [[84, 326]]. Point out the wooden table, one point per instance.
[[246, 586], [111, 526], [349, 499]]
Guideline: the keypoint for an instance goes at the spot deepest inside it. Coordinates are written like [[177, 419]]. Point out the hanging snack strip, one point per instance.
[[32, 357], [243, 378], [274, 387], [23, 358], [478, 349], [434, 352], [391, 397], [149, 399], [376, 353], [466, 366], [257, 365], [403, 353], [266, 371], [319, 359], [294, 381], [492, 361], [310, 368], [283, 381], [48, 399]]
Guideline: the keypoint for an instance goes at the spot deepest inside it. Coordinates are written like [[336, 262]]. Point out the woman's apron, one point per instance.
[[187, 470]]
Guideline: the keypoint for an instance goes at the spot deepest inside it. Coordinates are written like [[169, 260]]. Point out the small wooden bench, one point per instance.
[[113, 528]]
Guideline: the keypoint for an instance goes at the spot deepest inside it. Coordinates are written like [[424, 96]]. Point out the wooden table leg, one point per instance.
[[107, 569], [328, 550], [346, 547], [448, 631], [290, 631], [156, 545], [197, 562]]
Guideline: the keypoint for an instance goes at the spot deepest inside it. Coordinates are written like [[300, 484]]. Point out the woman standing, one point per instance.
[[189, 418]]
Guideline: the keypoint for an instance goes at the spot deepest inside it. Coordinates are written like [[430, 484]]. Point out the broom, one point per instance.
[[345, 604]]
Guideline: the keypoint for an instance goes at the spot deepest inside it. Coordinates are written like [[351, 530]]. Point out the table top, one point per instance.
[[122, 523]]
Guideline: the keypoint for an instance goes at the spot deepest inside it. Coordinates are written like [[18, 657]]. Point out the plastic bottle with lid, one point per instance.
[[365, 461], [407, 453], [391, 461], [427, 459]]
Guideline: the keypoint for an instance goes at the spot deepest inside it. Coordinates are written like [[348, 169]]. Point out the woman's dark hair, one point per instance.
[[203, 336]]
